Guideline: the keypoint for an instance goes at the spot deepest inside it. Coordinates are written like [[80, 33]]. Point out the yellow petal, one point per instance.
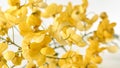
[[14, 2], [108, 35], [33, 20], [92, 66], [97, 59], [77, 39], [24, 29], [52, 65], [112, 49], [103, 15], [47, 51], [3, 47], [9, 55], [94, 19], [41, 60], [51, 10], [17, 60], [30, 65], [42, 5]]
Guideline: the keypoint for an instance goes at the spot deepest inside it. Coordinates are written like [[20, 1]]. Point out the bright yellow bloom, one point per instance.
[[33, 43], [40, 43], [104, 32]]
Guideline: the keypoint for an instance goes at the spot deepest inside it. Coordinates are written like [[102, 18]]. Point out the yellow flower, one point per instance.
[[17, 60], [71, 57], [3, 28], [14, 2], [22, 12], [47, 51], [85, 4], [69, 8], [33, 43], [52, 10], [65, 17], [11, 10], [75, 38], [24, 29], [96, 59], [38, 43], [103, 15], [1, 64], [34, 49], [33, 20], [54, 31], [104, 32], [81, 21]]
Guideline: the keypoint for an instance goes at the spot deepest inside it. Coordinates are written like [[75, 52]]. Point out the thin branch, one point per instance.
[[85, 28], [55, 57], [87, 34], [10, 42], [13, 66], [16, 28], [61, 46], [15, 44], [13, 34]]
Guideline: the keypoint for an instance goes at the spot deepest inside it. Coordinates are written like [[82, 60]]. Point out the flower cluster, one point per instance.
[[68, 28]]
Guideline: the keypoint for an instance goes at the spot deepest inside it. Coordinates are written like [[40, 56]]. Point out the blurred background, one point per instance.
[[95, 6]]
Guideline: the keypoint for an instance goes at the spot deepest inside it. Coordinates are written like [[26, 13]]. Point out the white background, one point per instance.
[[112, 7]]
